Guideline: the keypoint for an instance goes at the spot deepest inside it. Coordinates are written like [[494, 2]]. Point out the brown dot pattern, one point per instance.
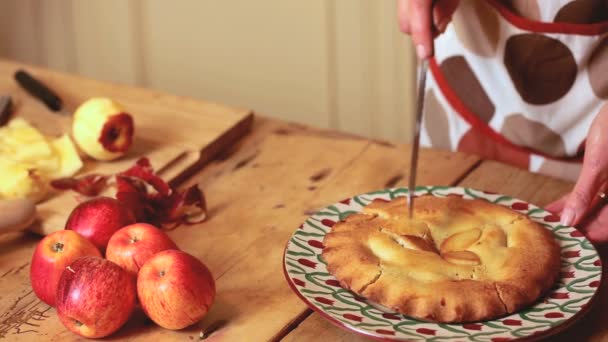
[[542, 69], [477, 26], [598, 70], [583, 12], [461, 78], [526, 8], [475, 142], [436, 122], [524, 132]]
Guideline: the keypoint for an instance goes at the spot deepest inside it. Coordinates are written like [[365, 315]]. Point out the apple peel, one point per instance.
[[148, 196], [90, 185]]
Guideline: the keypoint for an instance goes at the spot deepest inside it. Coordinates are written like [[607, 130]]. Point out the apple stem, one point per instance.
[[58, 247], [162, 273], [69, 268], [78, 323]]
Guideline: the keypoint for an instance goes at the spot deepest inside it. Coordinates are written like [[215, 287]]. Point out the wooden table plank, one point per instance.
[[500, 178], [257, 197], [290, 173]]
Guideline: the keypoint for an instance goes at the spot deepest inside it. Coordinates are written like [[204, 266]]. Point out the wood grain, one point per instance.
[[258, 194], [168, 128]]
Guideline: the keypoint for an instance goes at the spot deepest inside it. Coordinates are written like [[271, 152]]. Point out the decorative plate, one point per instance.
[[307, 275]]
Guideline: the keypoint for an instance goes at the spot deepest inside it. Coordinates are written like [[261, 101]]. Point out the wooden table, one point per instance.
[[258, 193]]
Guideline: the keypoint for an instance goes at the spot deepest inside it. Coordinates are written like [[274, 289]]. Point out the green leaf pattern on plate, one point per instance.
[[307, 273]]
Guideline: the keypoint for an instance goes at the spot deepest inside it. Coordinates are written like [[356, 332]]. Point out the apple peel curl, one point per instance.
[[147, 195], [90, 185]]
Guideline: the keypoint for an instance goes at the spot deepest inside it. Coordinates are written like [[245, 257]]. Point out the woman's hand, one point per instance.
[[415, 19], [584, 207]]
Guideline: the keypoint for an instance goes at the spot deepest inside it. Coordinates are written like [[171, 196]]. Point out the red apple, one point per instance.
[[175, 289], [132, 245], [95, 297], [52, 255], [98, 218]]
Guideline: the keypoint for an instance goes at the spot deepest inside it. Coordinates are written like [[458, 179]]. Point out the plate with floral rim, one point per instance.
[[569, 299]]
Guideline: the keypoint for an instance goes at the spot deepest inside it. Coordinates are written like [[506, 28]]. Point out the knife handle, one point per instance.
[[6, 108], [38, 90]]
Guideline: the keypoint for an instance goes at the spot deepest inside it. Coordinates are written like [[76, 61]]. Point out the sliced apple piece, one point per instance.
[[69, 160], [18, 181]]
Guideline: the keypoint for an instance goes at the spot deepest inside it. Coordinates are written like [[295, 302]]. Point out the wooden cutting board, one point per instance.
[[179, 135]]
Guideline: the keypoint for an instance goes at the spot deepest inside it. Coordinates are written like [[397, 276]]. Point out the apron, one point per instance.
[[519, 82]]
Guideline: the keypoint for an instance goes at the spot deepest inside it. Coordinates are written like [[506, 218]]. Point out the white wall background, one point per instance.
[[339, 64]]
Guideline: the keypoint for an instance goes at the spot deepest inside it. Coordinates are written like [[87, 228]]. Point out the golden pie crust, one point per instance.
[[457, 260]]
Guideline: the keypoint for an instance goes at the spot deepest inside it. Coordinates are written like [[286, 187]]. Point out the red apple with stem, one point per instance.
[[52, 255], [95, 297], [98, 219], [175, 289], [131, 246]]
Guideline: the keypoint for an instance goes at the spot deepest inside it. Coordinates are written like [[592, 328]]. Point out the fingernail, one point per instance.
[[421, 51], [567, 217]]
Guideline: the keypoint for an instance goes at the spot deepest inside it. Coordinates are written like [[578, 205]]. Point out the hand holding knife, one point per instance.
[[422, 71]]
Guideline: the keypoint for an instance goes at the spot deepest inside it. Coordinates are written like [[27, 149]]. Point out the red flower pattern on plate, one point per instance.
[[559, 295], [576, 233], [353, 317], [391, 316], [328, 222], [551, 218], [298, 282], [571, 254], [333, 282], [317, 244], [554, 315], [512, 322], [426, 331], [307, 263], [519, 206], [324, 300], [472, 326]]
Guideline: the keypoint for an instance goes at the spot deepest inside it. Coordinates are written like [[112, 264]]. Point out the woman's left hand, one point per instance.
[[584, 207]]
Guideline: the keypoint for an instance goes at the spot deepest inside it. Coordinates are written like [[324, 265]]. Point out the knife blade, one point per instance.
[[422, 71], [424, 65], [40, 91]]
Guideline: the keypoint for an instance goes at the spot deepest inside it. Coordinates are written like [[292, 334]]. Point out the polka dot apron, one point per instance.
[[519, 82]]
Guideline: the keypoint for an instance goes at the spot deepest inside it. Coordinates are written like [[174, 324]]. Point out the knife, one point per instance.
[[38, 90], [422, 71], [416, 143]]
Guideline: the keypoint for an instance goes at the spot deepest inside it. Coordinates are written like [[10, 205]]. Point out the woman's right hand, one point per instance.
[[415, 19]]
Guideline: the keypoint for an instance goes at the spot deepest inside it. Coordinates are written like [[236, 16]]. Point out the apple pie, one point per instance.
[[456, 260]]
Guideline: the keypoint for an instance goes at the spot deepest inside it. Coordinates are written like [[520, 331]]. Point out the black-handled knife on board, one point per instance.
[[40, 91]]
